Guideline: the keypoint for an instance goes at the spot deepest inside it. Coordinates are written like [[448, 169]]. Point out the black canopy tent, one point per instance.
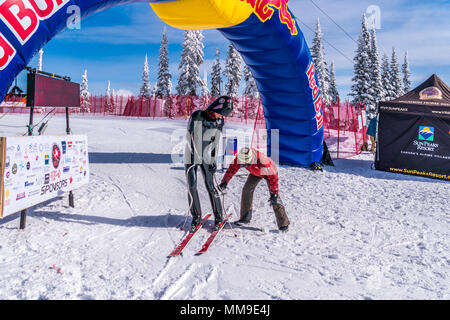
[[414, 132]]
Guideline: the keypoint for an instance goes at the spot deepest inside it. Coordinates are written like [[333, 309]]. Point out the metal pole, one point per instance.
[[339, 129]]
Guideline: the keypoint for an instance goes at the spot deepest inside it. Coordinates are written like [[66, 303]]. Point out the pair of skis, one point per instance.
[[178, 250]]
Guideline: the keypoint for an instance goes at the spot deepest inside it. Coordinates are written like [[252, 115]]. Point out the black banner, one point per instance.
[[415, 144]]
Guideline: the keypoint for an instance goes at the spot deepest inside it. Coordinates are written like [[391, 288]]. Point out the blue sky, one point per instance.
[[112, 44]]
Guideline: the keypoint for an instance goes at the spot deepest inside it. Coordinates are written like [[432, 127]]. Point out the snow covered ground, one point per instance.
[[356, 233]]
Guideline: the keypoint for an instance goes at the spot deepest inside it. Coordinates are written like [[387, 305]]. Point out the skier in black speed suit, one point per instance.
[[204, 133]]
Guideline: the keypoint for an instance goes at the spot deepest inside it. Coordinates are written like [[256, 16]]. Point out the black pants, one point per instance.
[[247, 201], [214, 195]]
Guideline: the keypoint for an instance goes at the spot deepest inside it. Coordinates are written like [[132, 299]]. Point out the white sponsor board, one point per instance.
[[38, 168]]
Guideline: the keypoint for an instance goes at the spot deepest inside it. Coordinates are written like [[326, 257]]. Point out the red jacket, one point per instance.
[[264, 168]]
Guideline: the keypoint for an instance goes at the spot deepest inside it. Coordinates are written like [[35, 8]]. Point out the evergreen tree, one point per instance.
[[145, 88], [205, 90], [251, 89], [377, 90], [41, 53], [318, 56], [233, 71], [334, 92], [396, 77], [164, 84], [191, 59], [361, 88], [389, 93], [85, 96], [109, 99], [406, 74], [216, 78]]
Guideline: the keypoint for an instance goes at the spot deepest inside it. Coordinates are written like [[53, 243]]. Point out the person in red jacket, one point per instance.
[[260, 167]]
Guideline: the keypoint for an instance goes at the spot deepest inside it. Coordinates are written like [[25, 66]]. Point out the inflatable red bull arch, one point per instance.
[[265, 33]]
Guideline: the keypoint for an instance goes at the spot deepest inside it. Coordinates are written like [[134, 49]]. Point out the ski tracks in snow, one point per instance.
[[186, 281]]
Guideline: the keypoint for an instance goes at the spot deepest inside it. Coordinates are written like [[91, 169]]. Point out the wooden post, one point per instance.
[[23, 219], [71, 201], [23, 214]]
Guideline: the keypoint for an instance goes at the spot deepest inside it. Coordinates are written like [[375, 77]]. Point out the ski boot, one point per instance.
[[315, 166], [195, 223], [245, 218], [218, 222]]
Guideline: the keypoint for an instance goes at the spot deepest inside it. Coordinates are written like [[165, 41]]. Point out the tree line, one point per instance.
[[374, 80]]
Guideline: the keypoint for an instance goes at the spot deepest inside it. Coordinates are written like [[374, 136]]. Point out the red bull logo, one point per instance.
[[264, 10], [311, 73], [7, 52], [23, 19]]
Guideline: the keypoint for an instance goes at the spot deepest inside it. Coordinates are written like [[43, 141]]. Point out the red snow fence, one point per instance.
[[345, 128], [344, 123]]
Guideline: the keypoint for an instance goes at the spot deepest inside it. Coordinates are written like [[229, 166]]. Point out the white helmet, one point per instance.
[[246, 156]]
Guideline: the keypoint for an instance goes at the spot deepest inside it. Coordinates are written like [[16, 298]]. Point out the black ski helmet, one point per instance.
[[223, 106]]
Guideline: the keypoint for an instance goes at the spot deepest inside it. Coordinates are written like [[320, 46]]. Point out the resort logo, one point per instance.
[[426, 133], [430, 94]]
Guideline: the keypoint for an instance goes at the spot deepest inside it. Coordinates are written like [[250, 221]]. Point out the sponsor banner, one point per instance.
[[40, 168], [415, 145]]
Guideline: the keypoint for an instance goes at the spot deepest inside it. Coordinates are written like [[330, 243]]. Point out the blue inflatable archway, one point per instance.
[[263, 31]]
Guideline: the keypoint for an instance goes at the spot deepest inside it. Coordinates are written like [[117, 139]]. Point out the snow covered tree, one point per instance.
[[233, 71], [377, 91], [250, 108], [396, 77], [205, 90], [250, 90], [216, 76], [191, 59], [145, 88], [318, 56], [153, 90], [109, 99], [361, 88], [389, 93], [164, 84], [85, 96], [406, 74], [108, 89], [41, 53], [333, 92]]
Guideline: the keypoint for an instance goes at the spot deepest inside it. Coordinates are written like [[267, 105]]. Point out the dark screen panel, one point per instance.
[[52, 92]]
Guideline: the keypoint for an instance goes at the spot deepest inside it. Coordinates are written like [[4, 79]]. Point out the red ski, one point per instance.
[[189, 237], [213, 236]]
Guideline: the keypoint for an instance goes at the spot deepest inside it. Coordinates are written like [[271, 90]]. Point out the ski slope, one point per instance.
[[355, 233]]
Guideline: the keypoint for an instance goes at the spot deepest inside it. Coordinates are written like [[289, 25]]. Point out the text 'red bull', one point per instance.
[[23, 18], [7, 52], [311, 73], [264, 10]]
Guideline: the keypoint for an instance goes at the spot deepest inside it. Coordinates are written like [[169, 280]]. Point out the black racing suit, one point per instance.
[[204, 133]]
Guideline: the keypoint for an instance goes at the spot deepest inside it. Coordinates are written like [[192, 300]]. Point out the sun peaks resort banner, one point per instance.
[[414, 132], [39, 168]]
